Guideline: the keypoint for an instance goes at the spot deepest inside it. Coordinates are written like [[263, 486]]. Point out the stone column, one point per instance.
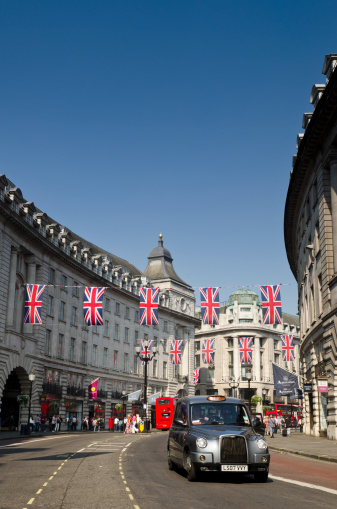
[[257, 359], [333, 182], [236, 355], [11, 288]]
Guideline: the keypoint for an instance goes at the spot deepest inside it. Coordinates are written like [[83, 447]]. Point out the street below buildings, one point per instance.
[[103, 470]]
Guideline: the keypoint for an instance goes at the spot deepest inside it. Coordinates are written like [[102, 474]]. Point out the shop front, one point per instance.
[[322, 385], [74, 413], [97, 411], [50, 404]]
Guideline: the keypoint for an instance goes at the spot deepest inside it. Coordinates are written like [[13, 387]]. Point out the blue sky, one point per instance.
[[124, 119]]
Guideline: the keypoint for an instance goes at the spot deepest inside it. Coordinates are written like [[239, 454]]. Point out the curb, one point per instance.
[[323, 457]]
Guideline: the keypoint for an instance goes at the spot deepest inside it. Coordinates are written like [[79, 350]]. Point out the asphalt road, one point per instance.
[[104, 470]]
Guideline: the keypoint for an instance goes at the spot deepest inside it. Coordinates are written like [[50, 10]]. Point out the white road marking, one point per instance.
[[304, 484], [33, 441], [81, 449]]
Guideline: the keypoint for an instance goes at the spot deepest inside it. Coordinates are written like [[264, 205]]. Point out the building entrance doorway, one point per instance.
[[10, 407]]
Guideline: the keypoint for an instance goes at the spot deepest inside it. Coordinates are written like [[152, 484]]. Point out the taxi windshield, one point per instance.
[[219, 413]]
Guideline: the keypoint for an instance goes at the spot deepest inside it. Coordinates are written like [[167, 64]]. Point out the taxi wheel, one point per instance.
[[192, 474], [261, 476]]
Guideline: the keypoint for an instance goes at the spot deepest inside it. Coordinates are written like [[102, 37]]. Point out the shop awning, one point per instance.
[[134, 396], [153, 397]]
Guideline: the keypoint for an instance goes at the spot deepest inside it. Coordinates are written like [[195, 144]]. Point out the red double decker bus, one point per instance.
[[164, 412], [284, 410]]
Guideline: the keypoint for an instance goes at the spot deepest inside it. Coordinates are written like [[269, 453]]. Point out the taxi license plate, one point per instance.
[[234, 468]]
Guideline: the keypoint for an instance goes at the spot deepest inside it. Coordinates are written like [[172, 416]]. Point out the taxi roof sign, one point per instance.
[[217, 398]]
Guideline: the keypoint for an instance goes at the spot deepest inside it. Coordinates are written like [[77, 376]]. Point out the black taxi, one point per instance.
[[216, 434]]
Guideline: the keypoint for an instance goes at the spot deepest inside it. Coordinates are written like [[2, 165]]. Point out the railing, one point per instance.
[[116, 395], [102, 394], [76, 391], [49, 388]]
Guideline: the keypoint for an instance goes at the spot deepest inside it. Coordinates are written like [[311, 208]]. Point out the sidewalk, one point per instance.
[[304, 445]]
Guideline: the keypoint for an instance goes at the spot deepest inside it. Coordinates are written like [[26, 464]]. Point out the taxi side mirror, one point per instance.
[[179, 422], [256, 422]]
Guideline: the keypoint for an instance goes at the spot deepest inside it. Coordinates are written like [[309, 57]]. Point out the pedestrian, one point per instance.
[[53, 422], [120, 424], [288, 424], [43, 423], [116, 423], [50, 423], [271, 425], [125, 421], [134, 424], [295, 422], [94, 424], [265, 421], [128, 427]]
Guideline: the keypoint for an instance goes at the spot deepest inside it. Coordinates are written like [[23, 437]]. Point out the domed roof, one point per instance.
[[160, 264], [243, 296]]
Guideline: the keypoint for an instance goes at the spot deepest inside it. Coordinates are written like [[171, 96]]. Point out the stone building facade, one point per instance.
[[240, 317], [310, 230], [65, 354]]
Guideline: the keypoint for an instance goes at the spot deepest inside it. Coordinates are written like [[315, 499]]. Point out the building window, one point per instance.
[[51, 276], [106, 328], [164, 345], [276, 345], [245, 320], [47, 345], [127, 312], [116, 336], [115, 359], [126, 362], [277, 358], [155, 341], [135, 364], [50, 305], [230, 342], [94, 329], [105, 358], [165, 370], [84, 352], [320, 305], [165, 326], [136, 336], [107, 304], [197, 361], [60, 346], [94, 355], [75, 289], [63, 282], [117, 308], [230, 358], [73, 315], [126, 335], [245, 309], [72, 349], [62, 310], [197, 345], [137, 315], [231, 372], [155, 365]]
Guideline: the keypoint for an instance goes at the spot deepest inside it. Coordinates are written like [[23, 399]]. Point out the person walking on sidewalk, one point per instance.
[[288, 424], [271, 426], [295, 422]]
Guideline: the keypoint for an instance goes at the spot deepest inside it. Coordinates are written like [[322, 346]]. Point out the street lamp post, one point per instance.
[[31, 379], [146, 358], [264, 393], [233, 384], [249, 378]]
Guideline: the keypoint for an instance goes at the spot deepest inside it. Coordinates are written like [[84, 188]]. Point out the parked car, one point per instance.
[[216, 434]]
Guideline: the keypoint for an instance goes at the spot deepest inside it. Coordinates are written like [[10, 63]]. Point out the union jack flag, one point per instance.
[[271, 304], [287, 347], [210, 305], [208, 351], [176, 351], [245, 349], [196, 374], [149, 306], [93, 305], [146, 352], [33, 303]]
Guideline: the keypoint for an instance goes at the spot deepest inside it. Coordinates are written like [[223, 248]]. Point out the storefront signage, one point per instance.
[[322, 385], [307, 387]]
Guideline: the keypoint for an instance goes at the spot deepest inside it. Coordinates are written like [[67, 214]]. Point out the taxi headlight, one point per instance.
[[262, 444], [201, 442]]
